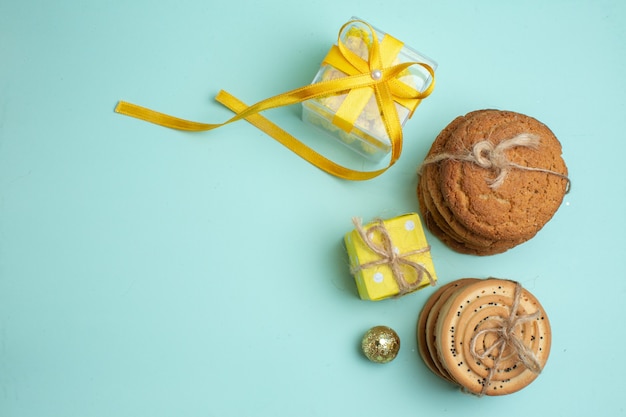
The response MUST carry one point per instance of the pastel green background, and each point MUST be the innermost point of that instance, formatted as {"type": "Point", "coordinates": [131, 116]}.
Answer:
{"type": "Point", "coordinates": [150, 272]}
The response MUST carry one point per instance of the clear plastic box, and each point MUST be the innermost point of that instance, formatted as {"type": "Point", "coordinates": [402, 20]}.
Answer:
{"type": "Point", "coordinates": [368, 136]}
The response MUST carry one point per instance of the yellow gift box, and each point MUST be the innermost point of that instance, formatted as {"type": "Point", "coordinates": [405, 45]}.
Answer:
{"type": "Point", "coordinates": [390, 257]}
{"type": "Point", "coordinates": [378, 76]}
{"type": "Point", "coordinates": [354, 117]}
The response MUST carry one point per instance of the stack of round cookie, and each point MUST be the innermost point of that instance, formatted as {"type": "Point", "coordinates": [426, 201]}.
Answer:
{"type": "Point", "coordinates": [489, 336]}
{"type": "Point", "coordinates": [491, 180]}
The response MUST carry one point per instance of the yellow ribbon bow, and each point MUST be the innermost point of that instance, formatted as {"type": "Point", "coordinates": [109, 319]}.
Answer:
{"type": "Point", "coordinates": [371, 74]}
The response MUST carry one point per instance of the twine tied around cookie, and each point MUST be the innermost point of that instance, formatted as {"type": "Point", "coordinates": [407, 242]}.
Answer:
{"type": "Point", "coordinates": [493, 157]}
{"type": "Point", "coordinates": [506, 338]}
{"type": "Point", "coordinates": [389, 256]}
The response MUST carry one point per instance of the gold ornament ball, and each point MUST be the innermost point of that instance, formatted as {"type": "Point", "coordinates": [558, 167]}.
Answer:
{"type": "Point", "coordinates": [380, 344]}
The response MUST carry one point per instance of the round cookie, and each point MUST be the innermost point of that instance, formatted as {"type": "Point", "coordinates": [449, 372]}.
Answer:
{"type": "Point", "coordinates": [421, 330]}
{"type": "Point", "coordinates": [434, 208]}
{"type": "Point", "coordinates": [436, 224]}
{"type": "Point", "coordinates": [423, 321]}
{"type": "Point", "coordinates": [430, 335]}
{"type": "Point", "coordinates": [470, 325]}
{"type": "Point", "coordinates": [444, 232]}
{"type": "Point", "coordinates": [526, 200]}
{"type": "Point", "coordinates": [431, 180]}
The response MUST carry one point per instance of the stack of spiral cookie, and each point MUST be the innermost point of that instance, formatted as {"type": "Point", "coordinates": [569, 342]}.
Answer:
{"type": "Point", "coordinates": [490, 336]}
{"type": "Point", "coordinates": [491, 180]}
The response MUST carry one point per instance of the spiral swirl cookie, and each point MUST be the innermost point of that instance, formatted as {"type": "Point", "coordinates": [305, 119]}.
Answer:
{"type": "Point", "coordinates": [491, 336]}
{"type": "Point", "coordinates": [491, 180]}
{"type": "Point", "coordinates": [426, 336]}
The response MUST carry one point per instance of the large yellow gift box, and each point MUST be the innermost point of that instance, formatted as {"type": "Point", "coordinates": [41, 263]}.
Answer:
{"type": "Point", "coordinates": [367, 86]}
{"type": "Point", "coordinates": [390, 257]}
{"type": "Point", "coordinates": [354, 117]}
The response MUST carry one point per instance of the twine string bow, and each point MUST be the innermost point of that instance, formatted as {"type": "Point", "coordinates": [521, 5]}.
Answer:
{"type": "Point", "coordinates": [390, 257]}
{"type": "Point", "coordinates": [506, 338]}
{"type": "Point", "coordinates": [493, 157]}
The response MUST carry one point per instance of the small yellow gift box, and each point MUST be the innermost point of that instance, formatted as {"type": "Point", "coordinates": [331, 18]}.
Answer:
{"type": "Point", "coordinates": [390, 257]}
{"type": "Point", "coordinates": [354, 117]}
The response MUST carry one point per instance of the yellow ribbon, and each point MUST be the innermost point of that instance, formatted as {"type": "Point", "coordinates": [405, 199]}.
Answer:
{"type": "Point", "coordinates": [346, 61]}
{"type": "Point", "coordinates": [379, 78]}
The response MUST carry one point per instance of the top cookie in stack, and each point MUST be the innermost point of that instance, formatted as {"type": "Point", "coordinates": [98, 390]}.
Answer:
{"type": "Point", "coordinates": [491, 180]}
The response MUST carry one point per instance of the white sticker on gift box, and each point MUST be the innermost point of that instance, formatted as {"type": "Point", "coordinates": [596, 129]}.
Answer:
{"type": "Point", "coordinates": [378, 277]}
{"type": "Point", "coordinates": [409, 225]}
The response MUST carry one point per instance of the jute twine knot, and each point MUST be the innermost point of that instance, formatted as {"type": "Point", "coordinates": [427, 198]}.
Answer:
{"type": "Point", "coordinates": [389, 256]}
{"type": "Point", "coordinates": [493, 157]}
{"type": "Point", "coordinates": [506, 338]}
